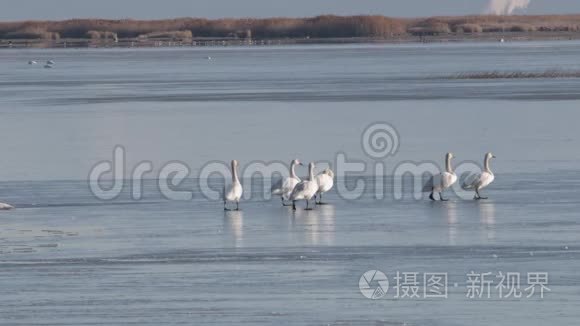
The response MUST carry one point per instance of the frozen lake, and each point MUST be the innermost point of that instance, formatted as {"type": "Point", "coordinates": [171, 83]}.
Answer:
{"type": "Point", "coordinates": [68, 258]}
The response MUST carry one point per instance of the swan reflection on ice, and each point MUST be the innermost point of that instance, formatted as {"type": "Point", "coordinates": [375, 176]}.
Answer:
{"type": "Point", "coordinates": [450, 210]}
{"type": "Point", "coordinates": [487, 219]}
{"type": "Point", "coordinates": [317, 226]}
{"type": "Point", "coordinates": [234, 226]}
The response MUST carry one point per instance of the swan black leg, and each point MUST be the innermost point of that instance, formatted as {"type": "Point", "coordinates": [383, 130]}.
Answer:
{"type": "Point", "coordinates": [283, 203]}
{"type": "Point", "coordinates": [431, 196]}
{"type": "Point", "coordinates": [320, 200]}
{"type": "Point", "coordinates": [478, 196]}
{"type": "Point", "coordinates": [294, 205]}
{"type": "Point", "coordinates": [308, 208]}
{"type": "Point", "coordinates": [237, 206]}
{"type": "Point", "coordinates": [441, 197]}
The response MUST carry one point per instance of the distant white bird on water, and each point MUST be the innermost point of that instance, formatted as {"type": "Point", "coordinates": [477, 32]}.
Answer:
{"type": "Point", "coordinates": [233, 192]}
{"type": "Point", "coordinates": [306, 189]}
{"type": "Point", "coordinates": [438, 183]}
{"type": "Point", "coordinates": [5, 207]}
{"type": "Point", "coordinates": [47, 66]}
{"type": "Point", "coordinates": [32, 62]}
{"type": "Point", "coordinates": [49, 62]}
{"type": "Point", "coordinates": [482, 180]}
{"type": "Point", "coordinates": [325, 181]}
{"type": "Point", "coordinates": [285, 186]}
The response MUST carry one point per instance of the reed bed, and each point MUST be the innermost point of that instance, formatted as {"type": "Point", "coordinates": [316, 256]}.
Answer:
{"type": "Point", "coordinates": [326, 26]}
{"type": "Point", "coordinates": [516, 74]}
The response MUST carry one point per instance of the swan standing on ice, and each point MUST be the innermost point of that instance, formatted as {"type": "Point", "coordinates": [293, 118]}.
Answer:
{"type": "Point", "coordinates": [233, 193]}
{"type": "Point", "coordinates": [482, 180]}
{"type": "Point", "coordinates": [438, 183]}
{"type": "Point", "coordinates": [5, 207]}
{"type": "Point", "coordinates": [285, 186]}
{"type": "Point", "coordinates": [306, 189]}
{"type": "Point", "coordinates": [325, 181]}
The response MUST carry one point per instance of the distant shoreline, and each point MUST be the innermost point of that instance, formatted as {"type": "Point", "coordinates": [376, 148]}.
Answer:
{"type": "Point", "coordinates": [131, 43]}
{"type": "Point", "coordinates": [182, 32]}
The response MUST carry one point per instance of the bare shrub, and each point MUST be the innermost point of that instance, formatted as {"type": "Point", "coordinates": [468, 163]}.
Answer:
{"type": "Point", "coordinates": [102, 35]}
{"type": "Point", "coordinates": [430, 26]}
{"type": "Point", "coordinates": [32, 33]}
{"type": "Point", "coordinates": [522, 28]}
{"type": "Point", "coordinates": [468, 28]}
{"type": "Point", "coordinates": [495, 28]}
{"type": "Point", "coordinates": [173, 35]}
{"type": "Point", "coordinates": [558, 28]}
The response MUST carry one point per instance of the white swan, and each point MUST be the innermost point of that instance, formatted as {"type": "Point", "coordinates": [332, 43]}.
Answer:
{"type": "Point", "coordinates": [306, 189]}
{"type": "Point", "coordinates": [49, 62]}
{"type": "Point", "coordinates": [5, 207]}
{"type": "Point", "coordinates": [285, 186]}
{"type": "Point", "coordinates": [233, 193]}
{"type": "Point", "coordinates": [32, 62]}
{"type": "Point", "coordinates": [438, 183]}
{"type": "Point", "coordinates": [325, 181]}
{"type": "Point", "coordinates": [482, 180]}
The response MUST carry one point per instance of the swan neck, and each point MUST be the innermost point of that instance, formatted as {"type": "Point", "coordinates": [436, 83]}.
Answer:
{"type": "Point", "coordinates": [292, 172]}
{"type": "Point", "coordinates": [486, 165]}
{"type": "Point", "coordinates": [448, 165]}
{"type": "Point", "coordinates": [235, 174]}
{"type": "Point", "coordinates": [311, 173]}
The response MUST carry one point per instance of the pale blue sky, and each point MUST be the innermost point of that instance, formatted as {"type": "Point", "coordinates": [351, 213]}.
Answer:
{"type": "Point", "coordinates": [147, 9]}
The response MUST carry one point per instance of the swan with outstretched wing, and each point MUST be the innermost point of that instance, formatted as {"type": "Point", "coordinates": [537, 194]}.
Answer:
{"type": "Point", "coordinates": [285, 186]}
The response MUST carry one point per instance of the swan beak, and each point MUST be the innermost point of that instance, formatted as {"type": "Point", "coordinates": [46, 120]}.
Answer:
{"type": "Point", "coordinates": [301, 163]}
{"type": "Point", "coordinates": [494, 156]}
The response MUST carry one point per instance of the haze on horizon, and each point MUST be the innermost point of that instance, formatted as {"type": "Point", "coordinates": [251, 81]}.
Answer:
{"type": "Point", "coordinates": [155, 9]}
